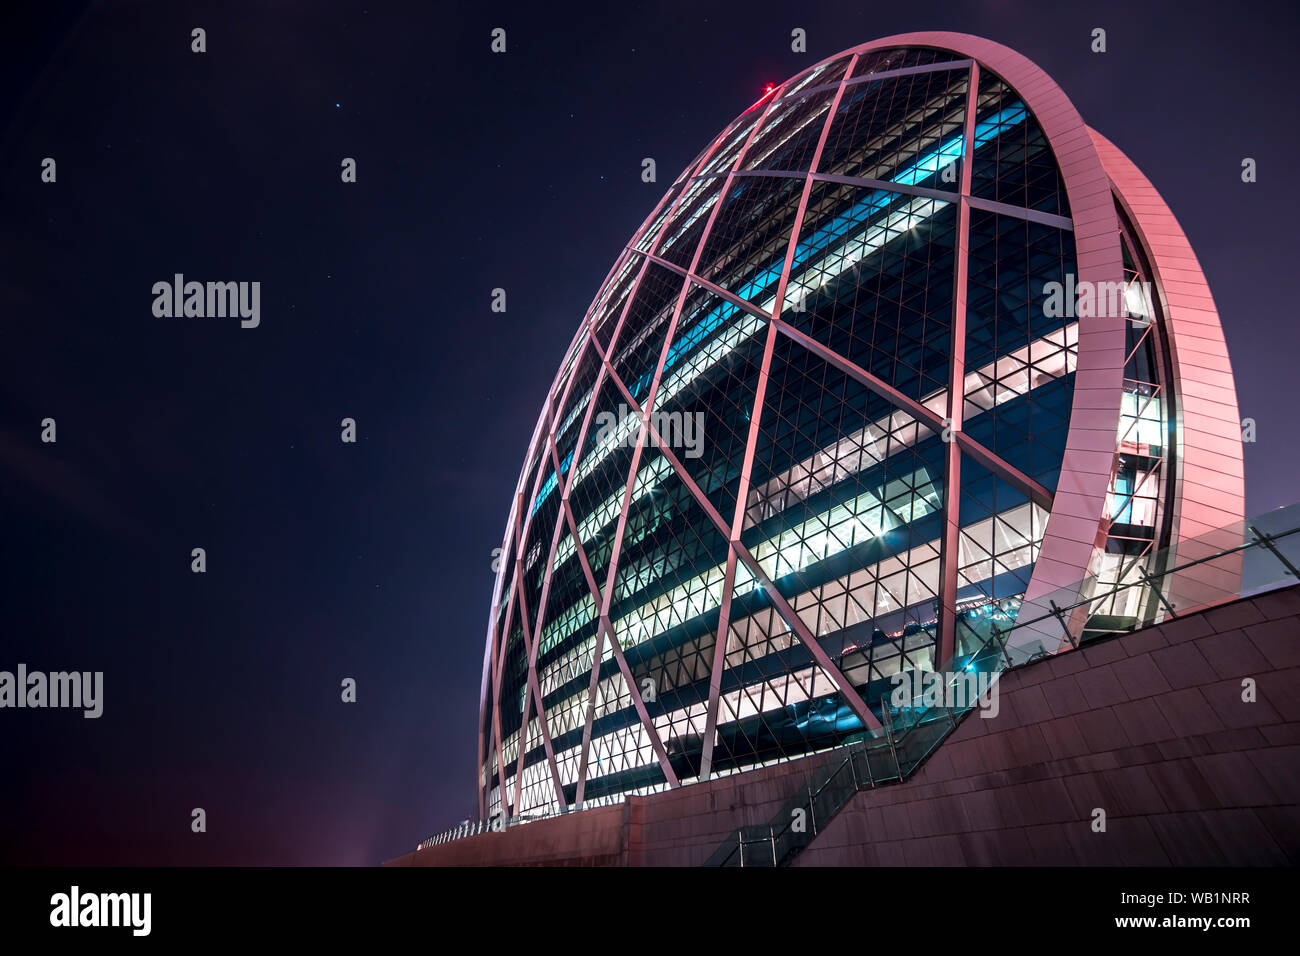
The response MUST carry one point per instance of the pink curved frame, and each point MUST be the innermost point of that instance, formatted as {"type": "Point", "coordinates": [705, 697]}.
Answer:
{"type": "Point", "coordinates": [1211, 476]}
{"type": "Point", "coordinates": [1076, 526]}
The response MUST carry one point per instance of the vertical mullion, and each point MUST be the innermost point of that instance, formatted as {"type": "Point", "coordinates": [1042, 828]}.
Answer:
{"type": "Point", "coordinates": [950, 544]}
{"type": "Point", "coordinates": [718, 663]}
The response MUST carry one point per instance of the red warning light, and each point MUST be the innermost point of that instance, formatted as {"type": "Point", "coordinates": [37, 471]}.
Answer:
{"type": "Point", "coordinates": [768, 90]}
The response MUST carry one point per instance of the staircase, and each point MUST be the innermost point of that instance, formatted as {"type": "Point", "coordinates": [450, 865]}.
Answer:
{"type": "Point", "coordinates": [908, 737]}
{"type": "Point", "coordinates": [863, 765]}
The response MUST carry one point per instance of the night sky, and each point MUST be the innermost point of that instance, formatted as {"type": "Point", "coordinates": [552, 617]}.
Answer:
{"type": "Point", "coordinates": [475, 171]}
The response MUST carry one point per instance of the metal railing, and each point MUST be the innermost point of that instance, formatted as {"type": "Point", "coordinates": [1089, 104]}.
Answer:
{"type": "Point", "coordinates": [1246, 558]}
{"type": "Point", "coordinates": [471, 828]}
{"type": "Point", "coordinates": [1239, 560]}
{"type": "Point", "coordinates": [467, 829]}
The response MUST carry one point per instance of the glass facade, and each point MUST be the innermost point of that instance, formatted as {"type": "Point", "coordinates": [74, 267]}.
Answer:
{"type": "Point", "coordinates": [808, 437]}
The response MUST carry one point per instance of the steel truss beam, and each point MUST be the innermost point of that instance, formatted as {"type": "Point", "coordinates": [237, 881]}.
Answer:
{"type": "Point", "coordinates": [1091, 413]}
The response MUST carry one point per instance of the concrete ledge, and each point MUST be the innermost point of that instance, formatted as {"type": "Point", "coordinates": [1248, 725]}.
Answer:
{"type": "Point", "coordinates": [1150, 728]}
{"type": "Point", "coordinates": [1154, 732]}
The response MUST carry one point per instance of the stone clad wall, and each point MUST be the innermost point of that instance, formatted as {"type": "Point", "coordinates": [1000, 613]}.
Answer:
{"type": "Point", "coordinates": [1149, 727]}
{"type": "Point", "coordinates": [591, 838]}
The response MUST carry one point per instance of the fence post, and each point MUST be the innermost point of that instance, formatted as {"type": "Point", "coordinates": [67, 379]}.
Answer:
{"type": "Point", "coordinates": [1001, 639]}
{"type": "Point", "coordinates": [1150, 581]}
{"type": "Point", "coordinates": [1267, 541]}
{"type": "Point", "coordinates": [1060, 617]}
{"type": "Point", "coordinates": [889, 735]}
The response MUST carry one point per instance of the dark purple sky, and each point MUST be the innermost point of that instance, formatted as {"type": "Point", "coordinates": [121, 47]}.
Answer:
{"type": "Point", "coordinates": [476, 171]}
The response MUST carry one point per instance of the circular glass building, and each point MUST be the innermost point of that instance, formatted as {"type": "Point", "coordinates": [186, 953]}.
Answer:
{"type": "Point", "coordinates": [907, 346]}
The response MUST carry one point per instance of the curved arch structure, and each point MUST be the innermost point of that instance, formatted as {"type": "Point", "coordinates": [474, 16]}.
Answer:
{"type": "Point", "coordinates": [1211, 478]}
{"type": "Point", "coordinates": [906, 346]}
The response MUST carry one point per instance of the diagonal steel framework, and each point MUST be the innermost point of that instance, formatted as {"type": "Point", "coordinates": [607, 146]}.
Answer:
{"type": "Point", "coordinates": [1088, 459]}
{"type": "Point", "coordinates": [937, 423]}
{"type": "Point", "coordinates": [742, 493]}
{"type": "Point", "coordinates": [950, 543]}
{"type": "Point", "coordinates": [737, 553]}
{"type": "Point", "coordinates": [606, 629]}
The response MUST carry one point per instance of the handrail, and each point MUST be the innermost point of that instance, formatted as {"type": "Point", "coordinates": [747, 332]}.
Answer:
{"type": "Point", "coordinates": [1265, 541]}
{"type": "Point", "coordinates": [1006, 658]}
{"type": "Point", "coordinates": [1150, 585]}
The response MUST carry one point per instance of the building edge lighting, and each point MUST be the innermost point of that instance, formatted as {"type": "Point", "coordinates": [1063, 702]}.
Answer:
{"type": "Point", "coordinates": [1199, 473]}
